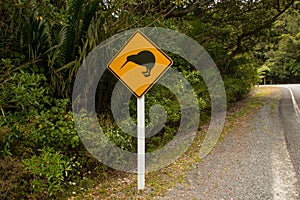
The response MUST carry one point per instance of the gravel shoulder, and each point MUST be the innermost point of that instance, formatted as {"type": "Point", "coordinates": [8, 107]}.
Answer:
{"type": "Point", "coordinates": [252, 162]}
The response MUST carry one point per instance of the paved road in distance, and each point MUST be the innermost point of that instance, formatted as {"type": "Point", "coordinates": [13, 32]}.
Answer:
{"type": "Point", "coordinates": [291, 121]}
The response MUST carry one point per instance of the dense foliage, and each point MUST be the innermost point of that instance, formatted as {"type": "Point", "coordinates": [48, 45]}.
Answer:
{"type": "Point", "coordinates": [283, 61]}
{"type": "Point", "coordinates": [43, 43]}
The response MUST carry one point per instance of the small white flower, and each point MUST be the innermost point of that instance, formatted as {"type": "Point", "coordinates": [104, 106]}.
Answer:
{"type": "Point", "coordinates": [73, 192]}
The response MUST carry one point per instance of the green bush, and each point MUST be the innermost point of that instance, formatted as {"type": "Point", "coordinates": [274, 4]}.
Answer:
{"type": "Point", "coordinates": [34, 120]}
{"type": "Point", "coordinates": [22, 98]}
{"type": "Point", "coordinates": [48, 171]}
{"type": "Point", "coordinates": [121, 139]}
{"type": "Point", "coordinates": [34, 128]}
{"type": "Point", "coordinates": [23, 92]}
{"type": "Point", "coordinates": [243, 75]}
{"type": "Point", "coordinates": [55, 128]}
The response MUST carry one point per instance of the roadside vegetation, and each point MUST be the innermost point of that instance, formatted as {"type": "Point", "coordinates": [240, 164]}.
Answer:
{"type": "Point", "coordinates": [283, 61]}
{"type": "Point", "coordinates": [123, 185]}
{"type": "Point", "coordinates": [44, 42]}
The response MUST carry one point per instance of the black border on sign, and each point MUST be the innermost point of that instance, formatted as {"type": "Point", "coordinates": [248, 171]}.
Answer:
{"type": "Point", "coordinates": [158, 77]}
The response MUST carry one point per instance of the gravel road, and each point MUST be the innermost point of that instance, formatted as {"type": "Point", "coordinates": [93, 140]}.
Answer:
{"type": "Point", "coordinates": [252, 162]}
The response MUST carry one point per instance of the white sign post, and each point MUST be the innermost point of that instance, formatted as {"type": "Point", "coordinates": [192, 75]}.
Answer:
{"type": "Point", "coordinates": [141, 141]}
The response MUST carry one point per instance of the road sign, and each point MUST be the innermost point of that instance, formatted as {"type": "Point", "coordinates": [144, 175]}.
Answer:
{"type": "Point", "coordinates": [139, 64]}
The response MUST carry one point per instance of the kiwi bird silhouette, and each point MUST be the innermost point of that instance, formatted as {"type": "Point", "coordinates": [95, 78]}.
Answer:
{"type": "Point", "coordinates": [143, 58]}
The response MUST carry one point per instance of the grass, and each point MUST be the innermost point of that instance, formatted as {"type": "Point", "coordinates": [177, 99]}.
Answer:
{"type": "Point", "coordinates": [123, 185]}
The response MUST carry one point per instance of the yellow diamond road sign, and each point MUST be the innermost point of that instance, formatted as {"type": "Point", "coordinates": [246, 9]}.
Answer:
{"type": "Point", "coordinates": [139, 64]}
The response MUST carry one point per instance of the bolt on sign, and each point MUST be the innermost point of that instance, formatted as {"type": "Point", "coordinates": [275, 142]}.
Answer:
{"type": "Point", "coordinates": [139, 64]}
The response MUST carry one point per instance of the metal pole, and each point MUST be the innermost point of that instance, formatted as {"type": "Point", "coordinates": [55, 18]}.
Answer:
{"type": "Point", "coordinates": [141, 141]}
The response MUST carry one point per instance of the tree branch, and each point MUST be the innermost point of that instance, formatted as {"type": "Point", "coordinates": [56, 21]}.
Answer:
{"type": "Point", "coordinates": [260, 28]}
{"type": "Point", "coordinates": [192, 7]}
